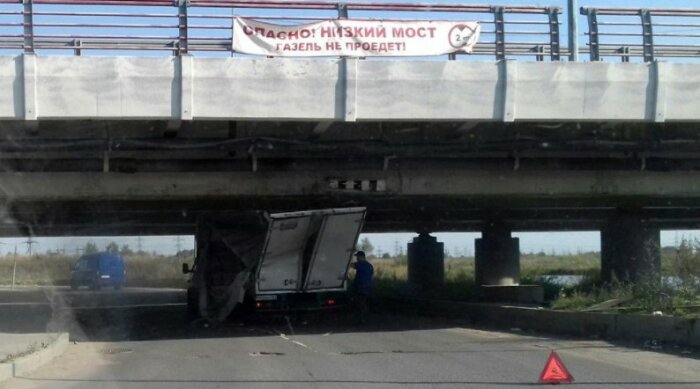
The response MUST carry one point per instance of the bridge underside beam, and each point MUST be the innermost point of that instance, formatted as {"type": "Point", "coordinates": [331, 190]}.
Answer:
{"type": "Point", "coordinates": [452, 200]}
{"type": "Point", "coordinates": [593, 187]}
{"type": "Point", "coordinates": [389, 214]}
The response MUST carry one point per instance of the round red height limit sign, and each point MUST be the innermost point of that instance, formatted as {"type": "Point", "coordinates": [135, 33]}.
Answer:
{"type": "Point", "coordinates": [460, 35]}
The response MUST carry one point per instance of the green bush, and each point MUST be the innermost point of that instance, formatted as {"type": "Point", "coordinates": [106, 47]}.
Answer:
{"type": "Point", "coordinates": [574, 300]}
{"type": "Point", "coordinates": [685, 264]}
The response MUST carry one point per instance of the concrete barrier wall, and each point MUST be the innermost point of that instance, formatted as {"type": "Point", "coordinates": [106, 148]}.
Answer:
{"type": "Point", "coordinates": [676, 330]}
{"type": "Point", "coordinates": [189, 88]}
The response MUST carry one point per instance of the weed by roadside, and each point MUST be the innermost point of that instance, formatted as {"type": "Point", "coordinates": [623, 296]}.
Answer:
{"type": "Point", "coordinates": [679, 296]}
{"type": "Point", "coordinates": [678, 300]}
{"type": "Point", "coordinates": [32, 348]}
{"type": "Point", "coordinates": [391, 275]}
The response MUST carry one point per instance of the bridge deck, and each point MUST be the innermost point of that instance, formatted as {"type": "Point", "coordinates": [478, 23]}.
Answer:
{"type": "Point", "coordinates": [148, 141]}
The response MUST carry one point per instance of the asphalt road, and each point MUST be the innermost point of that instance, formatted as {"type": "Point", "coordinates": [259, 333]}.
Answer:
{"type": "Point", "coordinates": [85, 298]}
{"type": "Point", "coordinates": [158, 348]}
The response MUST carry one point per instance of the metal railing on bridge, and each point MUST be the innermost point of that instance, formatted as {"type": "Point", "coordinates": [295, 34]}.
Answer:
{"type": "Point", "coordinates": [643, 33]}
{"type": "Point", "coordinates": [183, 26]}
{"type": "Point", "coordinates": [191, 26]}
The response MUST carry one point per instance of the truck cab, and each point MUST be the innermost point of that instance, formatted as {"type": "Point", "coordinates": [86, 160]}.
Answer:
{"type": "Point", "coordinates": [272, 262]}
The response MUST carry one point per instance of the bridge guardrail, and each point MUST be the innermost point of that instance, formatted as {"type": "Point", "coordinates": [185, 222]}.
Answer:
{"type": "Point", "coordinates": [183, 26]}
{"type": "Point", "coordinates": [201, 26]}
{"type": "Point", "coordinates": [643, 33]}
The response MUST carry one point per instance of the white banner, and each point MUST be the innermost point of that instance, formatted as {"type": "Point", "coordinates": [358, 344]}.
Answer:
{"type": "Point", "coordinates": [354, 38]}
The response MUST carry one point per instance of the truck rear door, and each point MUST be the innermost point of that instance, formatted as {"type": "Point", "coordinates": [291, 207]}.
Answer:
{"type": "Point", "coordinates": [335, 246]}
{"type": "Point", "coordinates": [280, 266]}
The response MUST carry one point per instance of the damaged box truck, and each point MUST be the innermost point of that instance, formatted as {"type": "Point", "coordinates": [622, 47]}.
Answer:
{"type": "Point", "coordinates": [272, 262]}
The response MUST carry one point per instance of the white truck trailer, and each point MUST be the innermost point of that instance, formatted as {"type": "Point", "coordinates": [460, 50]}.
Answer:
{"type": "Point", "coordinates": [272, 262]}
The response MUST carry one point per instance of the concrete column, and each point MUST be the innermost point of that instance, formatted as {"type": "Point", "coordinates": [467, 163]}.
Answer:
{"type": "Point", "coordinates": [630, 250]}
{"type": "Point", "coordinates": [497, 259]}
{"type": "Point", "coordinates": [426, 262]}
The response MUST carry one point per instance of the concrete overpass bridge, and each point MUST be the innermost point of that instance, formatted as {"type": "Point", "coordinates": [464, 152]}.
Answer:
{"type": "Point", "coordinates": [137, 116]}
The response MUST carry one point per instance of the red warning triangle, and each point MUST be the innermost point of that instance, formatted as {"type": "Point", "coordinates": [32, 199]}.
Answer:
{"type": "Point", "coordinates": [555, 372]}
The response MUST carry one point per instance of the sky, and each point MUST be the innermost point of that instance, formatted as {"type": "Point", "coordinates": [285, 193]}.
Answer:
{"type": "Point", "coordinates": [460, 243]}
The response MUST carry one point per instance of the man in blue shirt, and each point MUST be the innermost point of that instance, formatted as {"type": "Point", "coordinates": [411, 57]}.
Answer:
{"type": "Point", "coordinates": [362, 285]}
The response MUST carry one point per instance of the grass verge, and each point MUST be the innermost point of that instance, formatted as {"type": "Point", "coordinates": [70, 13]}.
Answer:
{"type": "Point", "coordinates": [679, 298]}
{"type": "Point", "coordinates": [141, 270]}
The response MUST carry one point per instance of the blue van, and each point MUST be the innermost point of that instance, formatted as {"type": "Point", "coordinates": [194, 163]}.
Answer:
{"type": "Point", "coordinates": [98, 270]}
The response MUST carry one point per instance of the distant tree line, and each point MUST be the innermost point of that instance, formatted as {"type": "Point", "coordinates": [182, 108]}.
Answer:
{"type": "Point", "coordinates": [112, 247]}
{"type": "Point", "coordinates": [124, 250]}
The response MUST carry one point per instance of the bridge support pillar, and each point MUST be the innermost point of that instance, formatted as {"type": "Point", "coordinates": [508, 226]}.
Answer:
{"type": "Point", "coordinates": [630, 250]}
{"type": "Point", "coordinates": [497, 259]}
{"type": "Point", "coordinates": [426, 262]}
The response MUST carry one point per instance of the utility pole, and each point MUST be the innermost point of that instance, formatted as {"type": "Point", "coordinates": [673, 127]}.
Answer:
{"type": "Point", "coordinates": [396, 248]}
{"type": "Point", "coordinates": [30, 243]}
{"type": "Point", "coordinates": [178, 244]}
{"type": "Point", "coordinates": [139, 245]}
{"type": "Point", "coordinates": [14, 268]}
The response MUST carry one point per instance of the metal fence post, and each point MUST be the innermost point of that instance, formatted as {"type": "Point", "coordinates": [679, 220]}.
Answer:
{"type": "Point", "coordinates": [499, 23]}
{"type": "Point", "coordinates": [554, 41]}
{"type": "Point", "coordinates": [342, 11]}
{"type": "Point", "coordinates": [593, 40]}
{"type": "Point", "coordinates": [77, 44]}
{"type": "Point", "coordinates": [647, 35]}
{"type": "Point", "coordinates": [540, 50]}
{"type": "Point", "coordinates": [625, 53]}
{"type": "Point", "coordinates": [182, 6]}
{"type": "Point", "coordinates": [28, 13]}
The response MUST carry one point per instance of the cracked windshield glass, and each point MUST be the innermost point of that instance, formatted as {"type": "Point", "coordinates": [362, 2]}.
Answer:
{"type": "Point", "coordinates": [349, 194]}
